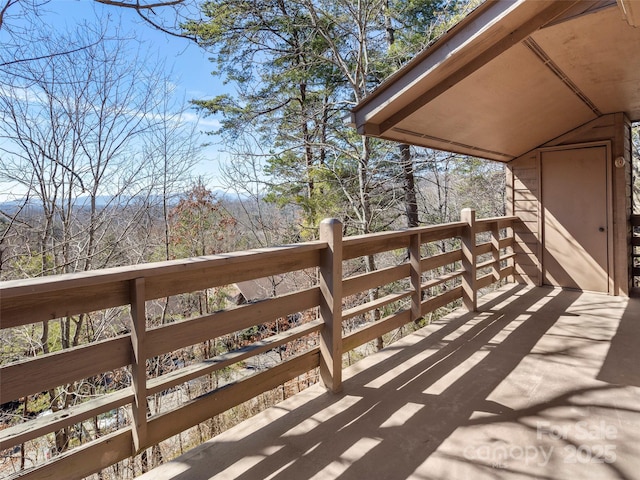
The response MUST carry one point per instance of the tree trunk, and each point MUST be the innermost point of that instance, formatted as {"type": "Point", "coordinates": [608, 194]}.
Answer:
{"type": "Point", "coordinates": [410, 202]}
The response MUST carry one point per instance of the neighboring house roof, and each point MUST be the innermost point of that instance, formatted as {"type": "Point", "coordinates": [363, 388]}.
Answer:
{"type": "Point", "coordinates": [276, 285]}
{"type": "Point", "coordinates": [512, 76]}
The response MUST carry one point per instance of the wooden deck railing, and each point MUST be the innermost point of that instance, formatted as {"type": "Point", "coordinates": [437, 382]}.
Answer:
{"type": "Point", "coordinates": [26, 302]}
{"type": "Point", "coordinates": [635, 250]}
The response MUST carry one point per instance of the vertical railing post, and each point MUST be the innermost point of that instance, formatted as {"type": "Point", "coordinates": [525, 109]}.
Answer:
{"type": "Point", "coordinates": [495, 251]}
{"type": "Point", "coordinates": [469, 292]}
{"type": "Point", "coordinates": [331, 304]}
{"type": "Point", "coordinates": [139, 363]}
{"type": "Point", "coordinates": [416, 276]}
{"type": "Point", "coordinates": [511, 234]}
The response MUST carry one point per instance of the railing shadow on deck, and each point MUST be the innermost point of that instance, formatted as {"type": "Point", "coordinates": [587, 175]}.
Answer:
{"type": "Point", "coordinates": [622, 363]}
{"type": "Point", "coordinates": [394, 416]}
{"type": "Point", "coordinates": [635, 254]}
{"type": "Point", "coordinates": [45, 299]}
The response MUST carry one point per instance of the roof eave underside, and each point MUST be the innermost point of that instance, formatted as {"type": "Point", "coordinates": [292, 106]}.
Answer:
{"type": "Point", "coordinates": [500, 34]}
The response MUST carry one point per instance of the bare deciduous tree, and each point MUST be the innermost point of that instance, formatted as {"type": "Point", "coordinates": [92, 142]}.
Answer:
{"type": "Point", "coordinates": [80, 138]}
{"type": "Point", "coordinates": [155, 12]}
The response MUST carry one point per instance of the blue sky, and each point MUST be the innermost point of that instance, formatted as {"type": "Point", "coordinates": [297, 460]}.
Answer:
{"type": "Point", "coordinates": [188, 63]}
{"type": "Point", "coordinates": [182, 54]}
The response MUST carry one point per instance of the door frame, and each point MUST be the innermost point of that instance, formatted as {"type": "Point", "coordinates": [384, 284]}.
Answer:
{"type": "Point", "coordinates": [609, 207]}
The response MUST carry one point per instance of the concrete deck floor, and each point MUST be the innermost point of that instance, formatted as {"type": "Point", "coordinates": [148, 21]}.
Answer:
{"type": "Point", "coordinates": [541, 383]}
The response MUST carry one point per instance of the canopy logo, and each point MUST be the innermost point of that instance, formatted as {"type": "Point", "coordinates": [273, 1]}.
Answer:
{"type": "Point", "coordinates": [581, 442]}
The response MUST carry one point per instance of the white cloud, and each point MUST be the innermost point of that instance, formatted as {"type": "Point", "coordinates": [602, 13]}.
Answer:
{"type": "Point", "coordinates": [205, 123]}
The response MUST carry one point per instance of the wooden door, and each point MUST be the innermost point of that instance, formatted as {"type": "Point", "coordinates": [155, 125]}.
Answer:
{"type": "Point", "coordinates": [575, 221]}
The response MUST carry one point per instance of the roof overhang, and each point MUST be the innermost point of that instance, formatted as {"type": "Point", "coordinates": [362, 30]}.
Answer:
{"type": "Point", "coordinates": [631, 11]}
{"type": "Point", "coordinates": [511, 76]}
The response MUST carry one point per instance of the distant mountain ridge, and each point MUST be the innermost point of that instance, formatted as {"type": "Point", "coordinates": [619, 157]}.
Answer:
{"type": "Point", "coordinates": [10, 207]}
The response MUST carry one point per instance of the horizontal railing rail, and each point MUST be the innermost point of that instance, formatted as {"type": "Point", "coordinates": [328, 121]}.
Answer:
{"type": "Point", "coordinates": [422, 270]}
{"type": "Point", "coordinates": [439, 265]}
{"type": "Point", "coordinates": [71, 294]}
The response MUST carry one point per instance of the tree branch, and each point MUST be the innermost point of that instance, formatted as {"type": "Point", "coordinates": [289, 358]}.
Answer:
{"type": "Point", "coordinates": [51, 55]}
{"type": "Point", "coordinates": [7, 4]}
{"type": "Point", "coordinates": [157, 25]}
{"type": "Point", "coordinates": [142, 7]}
{"type": "Point", "coordinates": [136, 5]}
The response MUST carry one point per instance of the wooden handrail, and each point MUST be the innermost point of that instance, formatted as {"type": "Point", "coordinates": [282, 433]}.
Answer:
{"type": "Point", "coordinates": [485, 224]}
{"type": "Point", "coordinates": [39, 299]}
{"type": "Point", "coordinates": [361, 245]}
{"type": "Point", "coordinates": [42, 299]}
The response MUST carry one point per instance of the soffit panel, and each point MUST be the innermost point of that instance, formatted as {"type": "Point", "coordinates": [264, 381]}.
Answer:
{"type": "Point", "coordinates": [496, 21]}
{"type": "Point", "coordinates": [631, 11]}
{"type": "Point", "coordinates": [400, 135]}
{"type": "Point", "coordinates": [508, 106]}
{"type": "Point", "coordinates": [600, 53]}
